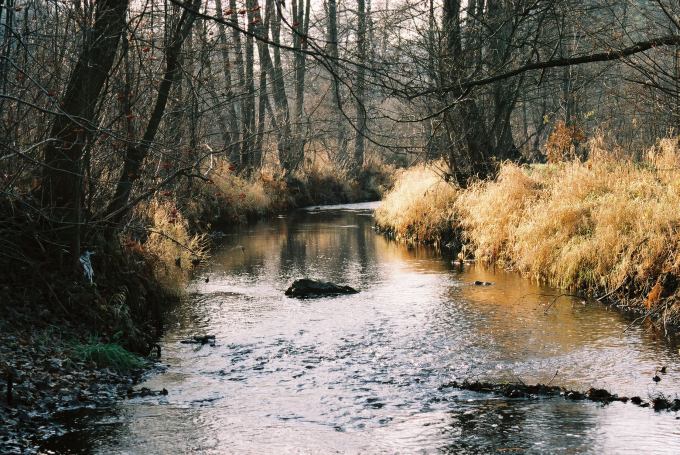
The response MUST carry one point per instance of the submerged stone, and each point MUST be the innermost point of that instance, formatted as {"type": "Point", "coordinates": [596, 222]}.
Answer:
{"type": "Point", "coordinates": [307, 288]}
{"type": "Point", "coordinates": [200, 339]}
{"type": "Point", "coordinates": [603, 396]}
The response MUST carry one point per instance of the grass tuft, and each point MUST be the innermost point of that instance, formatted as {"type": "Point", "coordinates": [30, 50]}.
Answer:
{"type": "Point", "coordinates": [420, 207]}
{"type": "Point", "coordinates": [108, 355]}
{"type": "Point", "coordinates": [170, 246]}
{"type": "Point", "coordinates": [594, 225]}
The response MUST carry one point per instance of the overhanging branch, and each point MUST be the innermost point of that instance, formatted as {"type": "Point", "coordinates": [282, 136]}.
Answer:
{"type": "Point", "coordinates": [608, 56]}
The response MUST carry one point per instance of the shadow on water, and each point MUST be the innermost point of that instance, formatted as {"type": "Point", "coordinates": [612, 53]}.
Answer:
{"type": "Point", "coordinates": [361, 373]}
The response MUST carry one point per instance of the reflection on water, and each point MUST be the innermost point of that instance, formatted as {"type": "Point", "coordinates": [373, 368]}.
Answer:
{"type": "Point", "coordinates": [361, 373]}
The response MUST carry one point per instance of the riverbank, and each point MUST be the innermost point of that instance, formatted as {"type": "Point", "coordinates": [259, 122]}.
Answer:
{"type": "Point", "coordinates": [226, 198]}
{"type": "Point", "coordinates": [606, 227]}
{"type": "Point", "coordinates": [68, 343]}
{"type": "Point", "coordinates": [51, 370]}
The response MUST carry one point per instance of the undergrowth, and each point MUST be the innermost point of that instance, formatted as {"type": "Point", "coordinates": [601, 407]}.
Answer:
{"type": "Point", "coordinates": [170, 247]}
{"type": "Point", "coordinates": [229, 198]}
{"type": "Point", "coordinates": [226, 197]}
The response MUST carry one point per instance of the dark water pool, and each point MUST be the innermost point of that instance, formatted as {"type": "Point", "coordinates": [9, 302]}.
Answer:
{"type": "Point", "coordinates": [361, 373]}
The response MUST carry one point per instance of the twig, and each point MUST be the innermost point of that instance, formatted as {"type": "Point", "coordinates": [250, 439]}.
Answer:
{"type": "Point", "coordinates": [601, 298]}
{"type": "Point", "coordinates": [553, 378]}
{"type": "Point", "coordinates": [556, 298]}
{"type": "Point", "coordinates": [163, 234]}
{"type": "Point", "coordinates": [644, 316]}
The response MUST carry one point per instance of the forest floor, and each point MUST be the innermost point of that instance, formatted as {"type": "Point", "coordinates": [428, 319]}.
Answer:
{"type": "Point", "coordinates": [66, 344]}
{"type": "Point", "coordinates": [48, 376]}
{"type": "Point", "coordinates": [606, 227]}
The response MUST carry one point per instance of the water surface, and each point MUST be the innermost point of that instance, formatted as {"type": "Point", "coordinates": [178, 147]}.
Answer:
{"type": "Point", "coordinates": [362, 373]}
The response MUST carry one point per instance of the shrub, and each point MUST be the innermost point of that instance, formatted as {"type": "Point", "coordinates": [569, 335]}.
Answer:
{"type": "Point", "coordinates": [229, 197]}
{"type": "Point", "coordinates": [562, 142]}
{"type": "Point", "coordinates": [172, 249]}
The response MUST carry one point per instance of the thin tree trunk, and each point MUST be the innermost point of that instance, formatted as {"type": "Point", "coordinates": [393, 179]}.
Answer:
{"type": "Point", "coordinates": [248, 130]}
{"type": "Point", "coordinates": [240, 73]}
{"type": "Point", "coordinates": [300, 31]}
{"type": "Point", "coordinates": [275, 74]}
{"type": "Point", "coordinates": [361, 87]}
{"type": "Point", "coordinates": [289, 162]}
{"type": "Point", "coordinates": [261, 119]}
{"type": "Point", "coordinates": [263, 100]}
{"type": "Point", "coordinates": [229, 125]}
{"type": "Point", "coordinates": [339, 121]}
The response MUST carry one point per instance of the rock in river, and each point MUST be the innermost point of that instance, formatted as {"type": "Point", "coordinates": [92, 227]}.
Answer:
{"type": "Point", "coordinates": [306, 288]}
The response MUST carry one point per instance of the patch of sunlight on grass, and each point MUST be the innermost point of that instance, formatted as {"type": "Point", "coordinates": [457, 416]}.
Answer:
{"type": "Point", "coordinates": [420, 207]}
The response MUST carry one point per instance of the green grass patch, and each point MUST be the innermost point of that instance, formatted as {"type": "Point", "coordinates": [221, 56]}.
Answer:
{"type": "Point", "coordinates": [108, 355]}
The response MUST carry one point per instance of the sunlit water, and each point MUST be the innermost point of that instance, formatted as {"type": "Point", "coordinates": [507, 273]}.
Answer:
{"type": "Point", "coordinates": [362, 373]}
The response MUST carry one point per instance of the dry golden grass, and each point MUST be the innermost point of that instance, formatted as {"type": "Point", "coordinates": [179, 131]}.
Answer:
{"type": "Point", "coordinates": [230, 197]}
{"type": "Point", "coordinates": [601, 225]}
{"type": "Point", "coordinates": [171, 247]}
{"type": "Point", "coordinates": [606, 225]}
{"type": "Point", "coordinates": [420, 207]}
{"type": "Point", "coordinates": [323, 181]}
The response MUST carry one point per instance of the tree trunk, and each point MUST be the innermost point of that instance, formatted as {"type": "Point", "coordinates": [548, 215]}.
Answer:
{"type": "Point", "coordinates": [290, 162]}
{"type": "Point", "coordinates": [504, 93]}
{"type": "Point", "coordinates": [275, 74]}
{"type": "Point", "coordinates": [300, 31]}
{"type": "Point", "coordinates": [263, 100]}
{"type": "Point", "coordinates": [485, 131]}
{"type": "Point", "coordinates": [261, 119]}
{"type": "Point", "coordinates": [136, 153]}
{"type": "Point", "coordinates": [62, 180]}
{"type": "Point", "coordinates": [234, 156]}
{"type": "Point", "coordinates": [332, 50]}
{"type": "Point", "coordinates": [360, 88]}
{"type": "Point", "coordinates": [231, 135]}
{"type": "Point", "coordinates": [248, 131]}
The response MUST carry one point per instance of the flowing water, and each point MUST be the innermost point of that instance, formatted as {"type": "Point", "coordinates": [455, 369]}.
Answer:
{"type": "Point", "coordinates": [362, 373]}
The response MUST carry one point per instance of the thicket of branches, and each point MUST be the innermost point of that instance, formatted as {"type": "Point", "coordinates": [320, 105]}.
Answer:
{"type": "Point", "coordinates": [104, 103]}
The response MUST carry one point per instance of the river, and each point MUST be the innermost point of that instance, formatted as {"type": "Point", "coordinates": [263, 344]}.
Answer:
{"type": "Point", "coordinates": [362, 373]}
